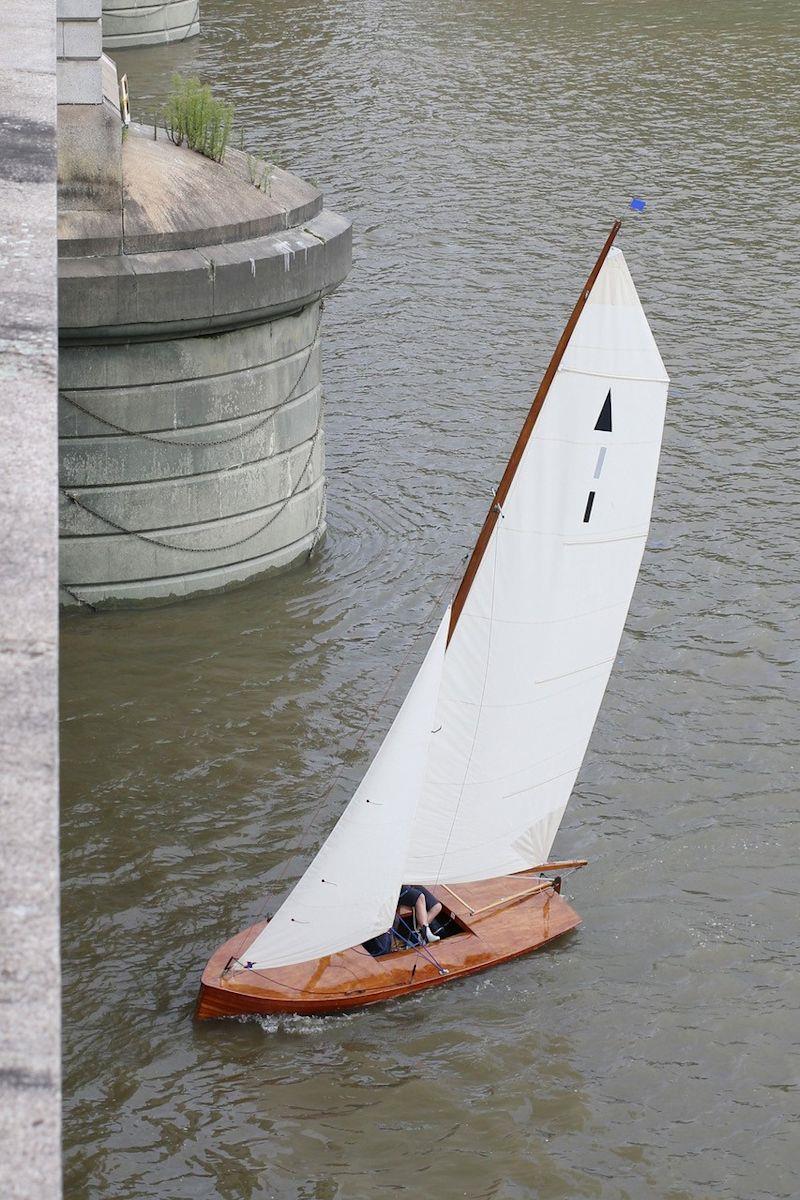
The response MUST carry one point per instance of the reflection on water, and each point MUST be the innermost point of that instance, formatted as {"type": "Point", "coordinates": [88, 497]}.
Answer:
{"type": "Point", "coordinates": [482, 150]}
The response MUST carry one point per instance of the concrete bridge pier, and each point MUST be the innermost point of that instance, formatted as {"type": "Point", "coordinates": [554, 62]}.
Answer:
{"type": "Point", "coordinates": [148, 22]}
{"type": "Point", "coordinates": [190, 400]}
{"type": "Point", "coordinates": [190, 414]}
{"type": "Point", "coordinates": [30, 991]}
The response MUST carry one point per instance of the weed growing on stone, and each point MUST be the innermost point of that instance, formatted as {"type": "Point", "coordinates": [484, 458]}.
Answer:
{"type": "Point", "coordinates": [261, 171]}
{"type": "Point", "coordinates": [192, 115]}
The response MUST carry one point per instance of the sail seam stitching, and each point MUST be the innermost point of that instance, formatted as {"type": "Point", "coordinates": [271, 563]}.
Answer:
{"type": "Point", "coordinates": [565, 441]}
{"type": "Point", "coordinates": [609, 376]}
{"type": "Point", "coordinates": [591, 612]}
{"type": "Point", "coordinates": [536, 699]}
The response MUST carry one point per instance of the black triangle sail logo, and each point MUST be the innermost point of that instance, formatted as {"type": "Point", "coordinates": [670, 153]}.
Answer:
{"type": "Point", "coordinates": [604, 420]}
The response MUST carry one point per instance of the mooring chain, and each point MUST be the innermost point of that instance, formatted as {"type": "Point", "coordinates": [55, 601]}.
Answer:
{"type": "Point", "coordinates": [160, 8]}
{"type": "Point", "coordinates": [196, 443]}
{"type": "Point", "coordinates": [79, 503]}
{"type": "Point", "coordinates": [205, 549]}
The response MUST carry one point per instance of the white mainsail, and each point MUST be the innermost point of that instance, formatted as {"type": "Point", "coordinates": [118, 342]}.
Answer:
{"type": "Point", "coordinates": [532, 650]}
{"type": "Point", "coordinates": [349, 893]}
{"type": "Point", "coordinates": [514, 699]}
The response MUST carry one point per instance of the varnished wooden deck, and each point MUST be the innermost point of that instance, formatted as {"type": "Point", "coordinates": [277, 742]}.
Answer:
{"type": "Point", "coordinates": [501, 919]}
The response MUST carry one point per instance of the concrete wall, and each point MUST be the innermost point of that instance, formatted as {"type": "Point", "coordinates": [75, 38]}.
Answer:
{"type": "Point", "coordinates": [30, 1058]}
{"type": "Point", "coordinates": [89, 125]}
{"type": "Point", "coordinates": [191, 419]}
{"type": "Point", "coordinates": [149, 22]}
{"type": "Point", "coordinates": [78, 47]}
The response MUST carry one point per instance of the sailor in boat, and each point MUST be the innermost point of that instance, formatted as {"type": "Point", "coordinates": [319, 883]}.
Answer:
{"type": "Point", "coordinates": [425, 906]}
{"type": "Point", "coordinates": [417, 909]}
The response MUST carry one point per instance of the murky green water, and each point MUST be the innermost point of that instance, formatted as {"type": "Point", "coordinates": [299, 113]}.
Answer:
{"type": "Point", "coordinates": [483, 150]}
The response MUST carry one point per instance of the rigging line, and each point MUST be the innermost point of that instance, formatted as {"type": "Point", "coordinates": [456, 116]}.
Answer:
{"type": "Point", "coordinates": [282, 984]}
{"type": "Point", "coordinates": [197, 443]}
{"type": "Point", "coordinates": [422, 948]}
{"type": "Point", "coordinates": [301, 991]}
{"type": "Point", "coordinates": [342, 966]}
{"type": "Point", "coordinates": [496, 539]}
{"type": "Point", "coordinates": [411, 931]}
{"type": "Point", "coordinates": [315, 810]}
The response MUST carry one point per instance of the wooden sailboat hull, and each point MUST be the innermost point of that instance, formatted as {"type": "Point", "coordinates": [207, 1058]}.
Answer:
{"type": "Point", "coordinates": [499, 919]}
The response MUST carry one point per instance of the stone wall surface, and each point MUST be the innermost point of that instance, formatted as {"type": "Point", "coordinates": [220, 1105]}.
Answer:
{"type": "Point", "coordinates": [89, 149]}
{"type": "Point", "coordinates": [191, 417]}
{"type": "Point", "coordinates": [78, 50]}
{"type": "Point", "coordinates": [220, 470]}
{"type": "Point", "coordinates": [149, 22]}
{"type": "Point", "coordinates": [30, 1059]}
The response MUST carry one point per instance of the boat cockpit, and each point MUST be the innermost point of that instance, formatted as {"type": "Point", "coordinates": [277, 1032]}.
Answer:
{"type": "Point", "coordinates": [404, 934]}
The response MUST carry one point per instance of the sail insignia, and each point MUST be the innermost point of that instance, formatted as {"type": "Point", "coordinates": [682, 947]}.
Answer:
{"type": "Point", "coordinates": [604, 420]}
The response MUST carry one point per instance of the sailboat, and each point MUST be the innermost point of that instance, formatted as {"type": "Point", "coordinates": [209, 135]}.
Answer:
{"type": "Point", "coordinates": [467, 791]}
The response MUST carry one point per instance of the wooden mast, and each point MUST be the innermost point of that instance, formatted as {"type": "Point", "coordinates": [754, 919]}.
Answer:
{"type": "Point", "coordinates": [524, 436]}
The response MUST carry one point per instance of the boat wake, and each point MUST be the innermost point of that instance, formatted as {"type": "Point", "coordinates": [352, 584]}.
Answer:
{"type": "Point", "coordinates": [297, 1024]}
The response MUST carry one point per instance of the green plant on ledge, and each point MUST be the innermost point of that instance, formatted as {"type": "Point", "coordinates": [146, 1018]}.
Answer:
{"type": "Point", "coordinates": [192, 115]}
{"type": "Point", "coordinates": [261, 171]}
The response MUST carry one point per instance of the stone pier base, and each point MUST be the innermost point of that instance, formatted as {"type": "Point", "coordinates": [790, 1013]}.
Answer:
{"type": "Point", "coordinates": [148, 22]}
{"type": "Point", "coordinates": [218, 475]}
{"type": "Point", "coordinates": [190, 401]}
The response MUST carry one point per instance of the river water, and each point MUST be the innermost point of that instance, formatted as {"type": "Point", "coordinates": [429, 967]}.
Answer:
{"type": "Point", "coordinates": [483, 150]}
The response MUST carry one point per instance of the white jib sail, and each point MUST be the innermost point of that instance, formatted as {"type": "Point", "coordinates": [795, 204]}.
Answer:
{"type": "Point", "coordinates": [530, 657]}
{"type": "Point", "coordinates": [350, 891]}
